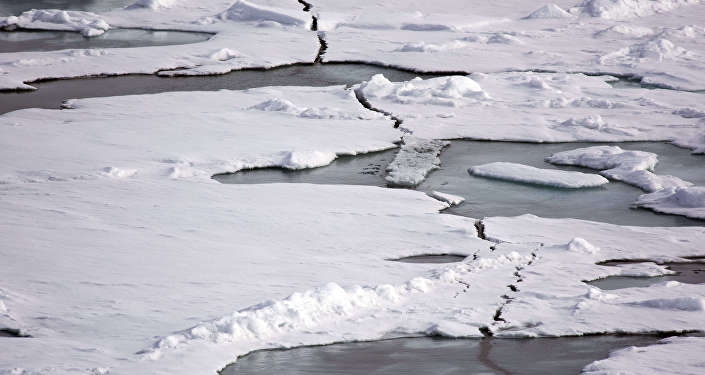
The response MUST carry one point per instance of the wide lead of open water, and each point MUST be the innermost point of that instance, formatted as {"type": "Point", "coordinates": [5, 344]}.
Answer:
{"type": "Point", "coordinates": [22, 41]}
{"type": "Point", "coordinates": [485, 197]}
{"type": "Point", "coordinates": [51, 94]}
{"type": "Point", "coordinates": [417, 356]}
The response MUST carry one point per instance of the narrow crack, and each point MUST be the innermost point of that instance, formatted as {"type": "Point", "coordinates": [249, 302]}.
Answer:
{"type": "Point", "coordinates": [307, 5]}
{"type": "Point", "coordinates": [480, 230]}
{"type": "Point", "coordinates": [365, 103]}
{"type": "Point", "coordinates": [323, 46]}
{"type": "Point", "coordinates": [12, 332]}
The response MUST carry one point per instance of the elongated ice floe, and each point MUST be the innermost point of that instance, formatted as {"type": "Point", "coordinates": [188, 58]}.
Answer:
{"type": "Point", "coordinates": [451, 199]}
{"type": "Point", "coordinates": [415, 160]}
{"type": "Point", "coordinates": [632, 167]}
{"type": "Point", "coordinates": [537, 176]}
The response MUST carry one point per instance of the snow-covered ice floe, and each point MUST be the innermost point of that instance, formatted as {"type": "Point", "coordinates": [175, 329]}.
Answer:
{"type": "Point", "coordinates": [657, 40]}
{"type": "Point", "coordinates": [451, 199]}
{"type": "Point", "coordinates": [538, 107]}
{"type": "Point", "coordinates": [538, 176]}
{"type": "Point", "coordinates": [673, 355]}
{"type": "Point", "coordinates": [666, 194]}
{"type": "Point", "coordinates": [248, 34]}
{"type": "Point", "coordinates": [633, 167]}
{"type": "Point", "coordinates": [415, 160]}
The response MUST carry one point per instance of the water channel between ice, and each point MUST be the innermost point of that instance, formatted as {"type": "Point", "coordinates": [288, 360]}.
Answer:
{"type": "Point", "coordinates": [490, 197]}
{"type": "Point", "coordinates": [416, 356]}
{"type": "Point", "coordinates": [30, 40]}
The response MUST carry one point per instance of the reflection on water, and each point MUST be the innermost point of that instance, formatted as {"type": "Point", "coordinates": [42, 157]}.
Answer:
{"type": "Point", "coordinates": [565, 355]}
{"type": "Point", "coordinates": [489, 197]}
{"type": "Point", "coordinates": [15, 7]}
{"type": "Point", "coordinates": [431, 258]}
{"type": "Point", "coordinates": [21, 41]}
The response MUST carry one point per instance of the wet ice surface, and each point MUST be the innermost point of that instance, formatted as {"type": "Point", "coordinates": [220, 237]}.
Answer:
{"type": "Point", "coordinates": [19, 41]}
{"type": "Point", "coordinates": [487, 197]}
{"type": "Point", "coordinates": [438, 356]}
{"type": "Point", "coordinates": [431, 258]}
{"type": "Point", "coordinates": [51, 94]}
{"type": "Point", "coordinates": [15, 7]}
{"type": "Point", "coordinates": [689, 273]}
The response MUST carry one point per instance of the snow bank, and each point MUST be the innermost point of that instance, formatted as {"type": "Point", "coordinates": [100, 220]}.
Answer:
{"type": "Point", "coordinates": [624, 9]}
{"type": "Point", "coordinates": [549, 11]}
{"type": "Point", "coordinates": [152, 4]}
{"type": "Point", "coordinates": [687, 201]}
{"type": "Point", "coordinates": [632, 167]}
{"type": "Point", "coordinates": [245, 11]}
{"type": "Point", "coordinates": [87, 23]}
{"type": "Point", "coordinates": [673, 355]}
{"type": "Point", "coordinates": [415, 160]}
{"type": "Point", "coordinates": [451, 199]}
{"type": "Point", "coordinates": [531, 175]}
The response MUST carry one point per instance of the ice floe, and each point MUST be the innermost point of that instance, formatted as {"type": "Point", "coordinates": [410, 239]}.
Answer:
{"type": "Point", "coordinates": [452, 200]}
{"type": "Point", "coordinates": [415, 160]}
{"type": "Point", "coordinates": [537, 107]}
{"type": "Point", "coordinates": [633, 167]}
{"type": "Point", "coordinates": [673, 355]}
{"type": "Point", "coordinates": [538, 176]}
{"type": "Point", "coordinates": [687, 201]}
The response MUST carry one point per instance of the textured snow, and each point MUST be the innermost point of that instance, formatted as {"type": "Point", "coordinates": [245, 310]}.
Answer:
{"type": "Point", "coordinates": [264, 34]}
{"type": "Point", "coordinates": [452, 200]}
{"type": "Point", "coordinates": [538, 107]}
{"type": "Point", "coordinates": [673, 355]}
{"type": "Point", "coordinates": [539, 176]}
{"type": "Point", "coordinates": [688, 201]}
{"type": "Point", "coordinates": [565, 36]}
{"type": "Point", "coordinates": [632, 167]}
{"type": "Point", "coordinates": [415, 160]}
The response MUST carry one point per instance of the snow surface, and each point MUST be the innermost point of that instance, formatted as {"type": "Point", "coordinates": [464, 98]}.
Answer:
{"type": "Point", "coordinates": [538, 176]}
{"type": "Point", "coordinates": [265, 34]}
{"type": "Point", "coordinates": [673, 355]}
{"type": "Point", "coordinates": [516, 35]}
{"type": "Point", "coordinates": [688, 201]}
{"type": "Point", "coordinates": [632, 167]}
{"type": "Point", "coordinates": [415, 160]}
{"type": "Point", "coordinates": [538, 107]}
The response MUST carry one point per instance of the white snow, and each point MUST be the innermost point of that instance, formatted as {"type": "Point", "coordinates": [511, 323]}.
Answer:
{"type": "Point", "coordinates": [688, 201]}
{"type": "Point", "coordinates": [549, 10]}
{"type": "Point", "coordinates": [452, 200]}
{"type": "Point", "coordinates": [633, 167]}
{"type": "Point", "coordinates": [415, 160]}
{"type": "Point", "coordinates": [87, 23]}
{"type": "Point", "coordinates": [539, 176]}
{"type": "Point", "coordinates": [538, 107]}
{"type": "Point", "coordinates": [673, 355]}
{"type": "Point", "coordinates": [153, 4]}
{"type": "Point", "coordinates": [624, 9]}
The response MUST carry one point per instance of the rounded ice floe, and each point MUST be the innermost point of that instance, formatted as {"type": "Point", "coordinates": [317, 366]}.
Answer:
{"type": "Point", "coordinates": [688, 201]}
{"type": "Point", "coordinates": [549, 10]}
{"type": "Point", "coordinates": [538, 176]}
{"type": "Point", "coordinates": [306, 159]}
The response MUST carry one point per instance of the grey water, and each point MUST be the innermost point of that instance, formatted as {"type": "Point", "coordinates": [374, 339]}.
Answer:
{"type": "Point", "coordinates": [412, 356]}
{"type": "Point", "coordinates": [431, 258]}
{"type": "Point", "coordinates": [610, 203]}
{"type": "Point", "coordinates": [687, 273]}
{"type": "Point", "coordinates": [26, 40]}
{"type": "Point", "coordinates": [15, 7]}
{"type": "Point", "coordinates": [50, 94]}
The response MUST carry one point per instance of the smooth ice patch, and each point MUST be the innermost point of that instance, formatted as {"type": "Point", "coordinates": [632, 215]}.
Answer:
{"type": "Point", "coordinates": [532, 175]}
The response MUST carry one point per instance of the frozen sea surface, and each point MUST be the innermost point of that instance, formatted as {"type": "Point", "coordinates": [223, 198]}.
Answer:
{"type": "Point", "coordinates": [487, 197]}
{"type": "Point", "coordinates": [417, 356]}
